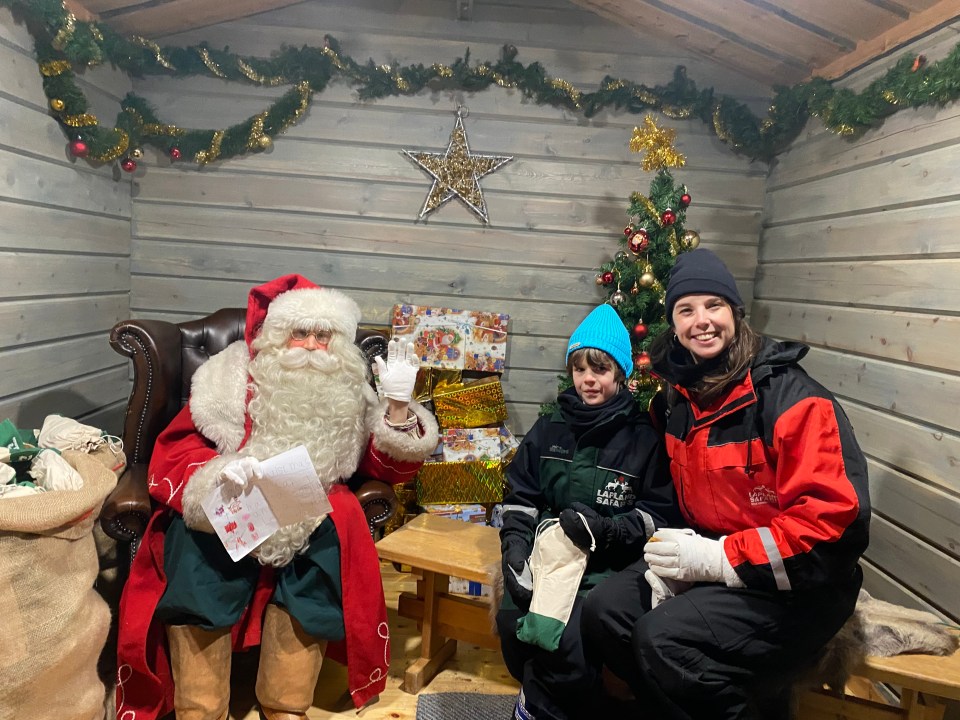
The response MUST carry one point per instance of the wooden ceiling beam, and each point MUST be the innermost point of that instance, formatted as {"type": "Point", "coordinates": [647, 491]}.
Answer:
{"type": "Point", "coordinates": [180, 15]}
{"type": "Point", "coordinates": [80, 11]}
{"type": "Point", "coordinates": [646, 19]}
{"type": "Point", "coordinates": [102, 6]}
{"type": "Point", "coordinates": [868, 50]}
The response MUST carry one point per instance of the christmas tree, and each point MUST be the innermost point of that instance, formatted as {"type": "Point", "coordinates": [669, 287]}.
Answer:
{"type": "Point", "coordinates": [636, 278]}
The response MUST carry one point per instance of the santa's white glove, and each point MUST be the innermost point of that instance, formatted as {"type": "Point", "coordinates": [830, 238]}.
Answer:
{"type": "Point", "coordinates": [398, 374]}
{"type": "Point", "coordinates": [241, 472]}
{"type": "Point", "coordinates": [662, 589]}
{"type": "Point", "coordinates": [681, 554]}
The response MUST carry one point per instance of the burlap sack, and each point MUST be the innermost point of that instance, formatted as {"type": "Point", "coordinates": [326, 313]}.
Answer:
{"type": "Point", "coordinates": [54, 623]}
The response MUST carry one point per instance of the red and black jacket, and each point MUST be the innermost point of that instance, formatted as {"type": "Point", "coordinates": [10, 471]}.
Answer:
{"type": "Point", "coordinates": [774, 466]}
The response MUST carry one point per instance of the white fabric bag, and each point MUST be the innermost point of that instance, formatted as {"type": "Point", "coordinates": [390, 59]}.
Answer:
{"type": "Point", "coordinates": [557, 566]}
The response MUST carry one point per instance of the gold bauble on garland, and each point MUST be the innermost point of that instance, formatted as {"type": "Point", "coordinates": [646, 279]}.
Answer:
{"type": "Point", "coordinates": [57, 105]}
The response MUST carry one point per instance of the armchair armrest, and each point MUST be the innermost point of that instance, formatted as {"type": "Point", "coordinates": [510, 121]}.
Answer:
{"type": "Point", "coordinates": [126, 510]}
{"type": "Point", "coordinates": [154, 347]}
{"type": "Point", "coordinates": [378, 501]}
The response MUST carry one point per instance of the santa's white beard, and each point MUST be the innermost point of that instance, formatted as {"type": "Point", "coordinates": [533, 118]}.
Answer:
{"type": "Point", "coordinates": [319, 403]}
{"type": "Point", "coordinates": [319, 408]}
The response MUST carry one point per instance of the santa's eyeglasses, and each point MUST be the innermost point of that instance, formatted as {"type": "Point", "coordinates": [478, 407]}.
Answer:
{"type": "Point", "coordinates": [318, 335]}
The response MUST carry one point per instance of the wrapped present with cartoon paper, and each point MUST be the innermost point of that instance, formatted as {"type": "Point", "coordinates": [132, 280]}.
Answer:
{"type": "Point", "coordinates": [468, 444]}
{"type": "Point", "coordinates": [470, 404]}
{"type": "Point", "coordinates": [454, 339]}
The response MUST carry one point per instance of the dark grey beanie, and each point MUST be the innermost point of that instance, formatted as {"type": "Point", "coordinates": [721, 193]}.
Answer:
{"type": "Point", "coordinates": [700, 272]}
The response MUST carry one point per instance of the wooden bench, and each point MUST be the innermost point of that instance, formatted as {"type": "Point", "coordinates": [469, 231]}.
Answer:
{"type": "Point", "coordinates": [925, 682]}
{"type": "Point", "coordinates": [439, 548]}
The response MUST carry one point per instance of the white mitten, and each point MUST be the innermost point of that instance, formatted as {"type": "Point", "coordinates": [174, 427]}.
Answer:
{"type": "Point", "coordinates": [398, 374]}
{"type": "Point", "coordinates": [52, 472]}
{"type": "Point", "coordinates": [240, 472]}
{"type": "Point", "coordinates": [681, 554]}
{"type": "Point", "coordinates": [65, 433]}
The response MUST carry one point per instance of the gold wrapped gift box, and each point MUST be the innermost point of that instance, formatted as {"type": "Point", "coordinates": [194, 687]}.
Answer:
{"type": "Point", "coordinates": [469, 405]}
{"type": "Point", "coordinates": [476, 481]}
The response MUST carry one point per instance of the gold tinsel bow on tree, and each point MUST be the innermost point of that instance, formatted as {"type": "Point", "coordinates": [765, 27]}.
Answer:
{"type": "Point", "coordinates": [657, 143]}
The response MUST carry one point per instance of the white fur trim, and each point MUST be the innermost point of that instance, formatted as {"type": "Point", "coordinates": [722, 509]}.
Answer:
{"type": "Point", "coordinates": [218, 396]}
{"type": "Point", "coordinates": [406, 445]}
{"type": "Point", "coordinates": [308, 307]}
{"type": "Point", "coordinates": [201, 484]}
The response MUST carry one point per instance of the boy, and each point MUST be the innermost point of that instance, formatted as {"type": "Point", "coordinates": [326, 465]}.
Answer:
{"type": "Point", "coordinates": [598, 464]}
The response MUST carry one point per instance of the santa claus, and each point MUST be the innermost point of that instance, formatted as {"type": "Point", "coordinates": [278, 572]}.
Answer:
{"type": "Point", "coordinates": [296, 379]}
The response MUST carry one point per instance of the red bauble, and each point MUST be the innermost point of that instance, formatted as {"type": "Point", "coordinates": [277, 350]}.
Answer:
{"type": "Point", "coordinates": [685, 200]}
{"type": "Point", "coordinates": [607, 277]}
{"type": "Point", "coordinates": [78, 148]}
{"type": "Point", "coordinates": [128, 164]}
{"type": "Point", "coordinates": [669, 217]}
{"type": "Point", "coordinates": [640, 331]}
{"type": "Point", "coordinates": [627, 230]}
{"type": "Point", "coordinates": [639, 242]}
{"type": "Point", "coordinates": [175, 153]}
{"type": "Point", "coordinates": [642, 361]}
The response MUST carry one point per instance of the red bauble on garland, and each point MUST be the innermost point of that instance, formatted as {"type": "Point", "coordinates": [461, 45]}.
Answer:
{"type": "Point", "coordinates": [639, 331]}
{"type": "Point", "coordinates": [128, 164]}
{"type": "Point", "coordinates": [685, 200]}
{"type": "Point", "coordinates": [668, 217]}
{"type": "Point", "coordinates": [175, 153]}
{"type": "Point", "coordinates": [639, 241]}
{"type": "Point", "coordinates": [627, 230]}
{"type": "Point", "coordinates": [78, 148]}
{"type": "Point", "coordinates": [642, 361]}
{"type": "Point", "coordinates": [607, 277]}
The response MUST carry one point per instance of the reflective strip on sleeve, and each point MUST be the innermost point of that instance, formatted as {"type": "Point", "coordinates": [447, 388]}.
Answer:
{"type": "Point", "coordinates": [525, 509]}
{"type": "Point", "coordinates": [776, 559]}
{"type": "Point", "coordinates": [649, 526]}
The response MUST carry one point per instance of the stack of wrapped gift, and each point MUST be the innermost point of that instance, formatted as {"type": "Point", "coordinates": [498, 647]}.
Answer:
{"type": "Point", "coordinates": [462, 354]}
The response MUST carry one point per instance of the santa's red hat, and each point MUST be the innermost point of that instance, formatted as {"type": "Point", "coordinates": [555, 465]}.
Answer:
{"type": "Point", "coordinates": [291, 302]}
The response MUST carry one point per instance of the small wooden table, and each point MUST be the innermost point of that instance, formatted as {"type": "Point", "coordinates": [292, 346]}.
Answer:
{"type": "Point", "coordinates": [439, 548]}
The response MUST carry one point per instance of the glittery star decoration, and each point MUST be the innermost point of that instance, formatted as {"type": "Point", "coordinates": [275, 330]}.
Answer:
{"type": "Point", "coordinates": [657, 143]}
{"type": "Point", "coordinates": [457, 172]}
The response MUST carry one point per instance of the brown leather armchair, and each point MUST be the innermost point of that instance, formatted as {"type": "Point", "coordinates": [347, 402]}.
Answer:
{"type": "Point", "coordinates": [165, 356]}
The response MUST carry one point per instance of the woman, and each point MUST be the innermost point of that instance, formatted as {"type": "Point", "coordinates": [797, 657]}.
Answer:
{"type": "Point", "coordinates": [773, 485]}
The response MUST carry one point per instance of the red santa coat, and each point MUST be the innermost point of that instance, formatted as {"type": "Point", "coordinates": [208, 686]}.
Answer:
{"type": "Point", "coordinates": [202, 437]}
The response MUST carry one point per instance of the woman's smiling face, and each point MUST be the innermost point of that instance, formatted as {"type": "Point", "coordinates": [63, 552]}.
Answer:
{"type": "Point", "coordinates": [704, 324]}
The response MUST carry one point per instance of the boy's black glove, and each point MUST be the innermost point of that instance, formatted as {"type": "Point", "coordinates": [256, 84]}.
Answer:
{"type": "Point", "coordinates": [605, 530]}
{"type": "Point", "coordinates": [517, 578]}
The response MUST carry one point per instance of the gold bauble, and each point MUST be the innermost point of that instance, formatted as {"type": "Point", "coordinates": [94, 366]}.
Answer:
{"type": "Point", "coordinates": [136, 153]}
{"type": "Point", "coordinates": [647, 279]}
{"type": "Point", "coordinates": [690, 239]}
{"type": "Point", "coordinates": [57, 105]}
{"type": "Point", "coordinates": [617, 298]}
{"type": "Point", "coordinates": [265, 142]}
{"type": "Point", "coordinates": [599, 279]}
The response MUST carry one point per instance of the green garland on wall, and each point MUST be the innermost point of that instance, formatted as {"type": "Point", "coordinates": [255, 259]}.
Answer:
{"type": "Point", "coordinates": [64, 43]}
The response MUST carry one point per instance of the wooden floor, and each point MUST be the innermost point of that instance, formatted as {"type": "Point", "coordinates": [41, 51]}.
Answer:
{"type": "Point", "coordinates": [472, 669]}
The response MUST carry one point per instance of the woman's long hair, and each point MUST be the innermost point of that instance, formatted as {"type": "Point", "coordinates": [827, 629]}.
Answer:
{"type": "Point", "coordinates": [736, 359]}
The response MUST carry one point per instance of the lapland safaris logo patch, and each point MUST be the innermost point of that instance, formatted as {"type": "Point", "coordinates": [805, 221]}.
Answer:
{"type": "Point", "coordinates": [616, 493]}
{"type": "Point", "coordinates": [762, 495]}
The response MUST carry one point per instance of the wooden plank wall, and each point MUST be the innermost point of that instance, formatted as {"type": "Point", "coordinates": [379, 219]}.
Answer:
{"type": "Point", "coordinates": [336, 200]}
{"type": "Point", "coordinates": [64, 252]}
{"type": "Point", "coordinates": [860, 258]}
